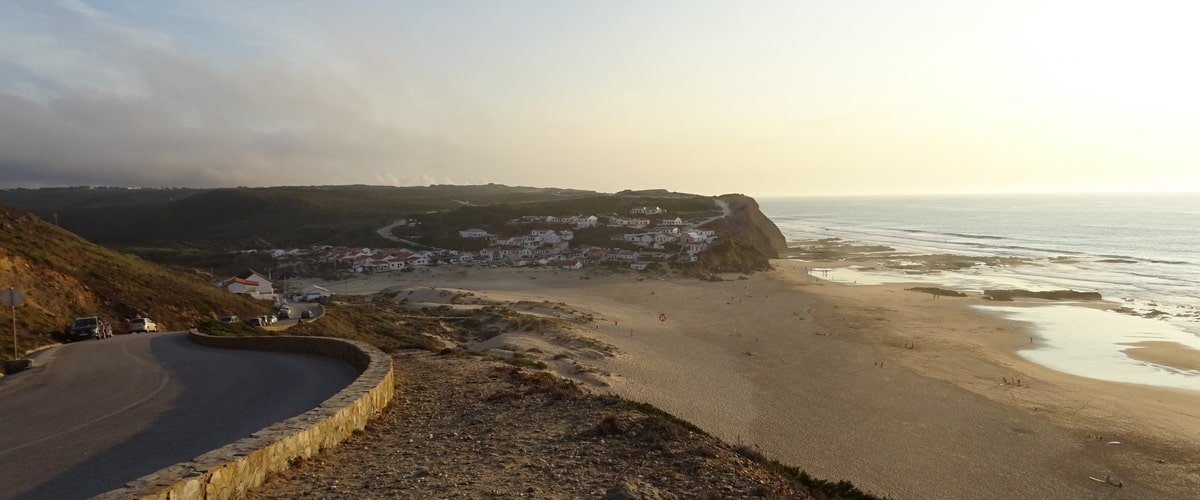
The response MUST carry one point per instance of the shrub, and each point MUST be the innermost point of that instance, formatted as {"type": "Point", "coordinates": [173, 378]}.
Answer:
{"type": "Point", "coordinates": [609, 425]}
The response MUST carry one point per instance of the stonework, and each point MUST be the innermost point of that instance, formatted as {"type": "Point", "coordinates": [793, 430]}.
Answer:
{"type": "Point", "coordinates": [231, 471]}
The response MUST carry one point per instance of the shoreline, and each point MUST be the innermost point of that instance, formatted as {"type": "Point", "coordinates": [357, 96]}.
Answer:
{"type": "Point", "coordinates": [901, 393]}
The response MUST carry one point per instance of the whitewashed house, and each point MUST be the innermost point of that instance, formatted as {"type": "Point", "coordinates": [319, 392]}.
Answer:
{"type": "Point", "coordinates": [241, 286]}
{"type": "Point", "coordinates": [641, 239]}
{"type": "Point", "coordinates": [473, 233]}
{"type": "Point", "coordinates": [646, 210]}
{"type": "Point", "coordinates": [509, 241]}
{"type": "Point", "coordinates": [314, 293]}
{"type": "Point", "coordinates": [251, 283]}
{"type": "Point", "coordinates": [587, 222]}
{"type": "Point", "coordinates": [634, 223]}
{"type": "Point", "coordinates": [545, 236]}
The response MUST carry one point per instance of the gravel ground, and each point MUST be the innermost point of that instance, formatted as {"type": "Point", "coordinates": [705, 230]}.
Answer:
{"type": "Point", "coordinates": [465, 427]}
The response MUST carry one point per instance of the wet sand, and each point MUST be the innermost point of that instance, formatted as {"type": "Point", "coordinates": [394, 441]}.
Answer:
{"type": "Point", "coordinates": [1172, 354]}
{"type": "Point", "coordinates": [902, 393]}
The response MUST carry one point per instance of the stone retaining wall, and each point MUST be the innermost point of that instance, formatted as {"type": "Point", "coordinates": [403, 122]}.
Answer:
{"type": "Point", "coordinates": [229, 472]}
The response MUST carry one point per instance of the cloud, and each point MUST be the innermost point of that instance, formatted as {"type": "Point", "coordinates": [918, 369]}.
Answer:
{"type": "Point", "coordinates": [90, 99]}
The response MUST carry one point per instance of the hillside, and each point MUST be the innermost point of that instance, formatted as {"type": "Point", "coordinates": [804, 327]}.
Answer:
{"type": "Point", "coordinates": [752, 226]}
{"type": "Point", "coordinates": [63, 276]}
{"type": "Point", "coordinates": [229, 218]}
{"type": "Point", "coordinates": [205, 228]}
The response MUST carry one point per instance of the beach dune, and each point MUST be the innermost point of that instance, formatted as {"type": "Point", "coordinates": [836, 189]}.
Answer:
{"type": "Point", "coordinates": [903, 394]}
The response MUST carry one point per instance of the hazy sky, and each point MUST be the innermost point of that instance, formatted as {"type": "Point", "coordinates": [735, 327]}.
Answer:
{"type": "Point", "coordinates": [760, 97]}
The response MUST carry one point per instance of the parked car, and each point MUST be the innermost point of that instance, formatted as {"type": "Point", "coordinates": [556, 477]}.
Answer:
{"type": "Point", "coordinates": [88, 327]}
{"type": "Point", "coordinates": [307, 314]}
{"type": "Point", "coordinates": [285, 313]}
{"type": "Point", "coordinates": [228, 319]}
{"type": "Point", "coordinates": [142, 325]}
{"type": "Point", "coordinates": [255, 321]}
{"type": "Point", "coordinates": [272, 319]}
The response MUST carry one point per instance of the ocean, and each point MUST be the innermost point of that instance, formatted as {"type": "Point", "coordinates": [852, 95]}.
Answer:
{"type": "Point", "coordinates": [1136, 249]}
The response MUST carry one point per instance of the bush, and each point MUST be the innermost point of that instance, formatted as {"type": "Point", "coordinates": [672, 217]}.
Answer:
{"type": "Point", "coordinates": [220, 329]}
{"type": "Point", "coordinates": [609, 425]}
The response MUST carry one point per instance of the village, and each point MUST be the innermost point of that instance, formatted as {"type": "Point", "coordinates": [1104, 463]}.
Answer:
{"type": "Point", "coordinates": [650, 236]}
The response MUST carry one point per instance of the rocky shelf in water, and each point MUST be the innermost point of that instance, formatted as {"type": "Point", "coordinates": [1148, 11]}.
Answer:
{"type": "Point", "coordinates": [1008, 295]}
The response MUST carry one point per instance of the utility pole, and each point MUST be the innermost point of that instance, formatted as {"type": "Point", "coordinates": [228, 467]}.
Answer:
{"type": "Point", "coordinates": [13, 298]}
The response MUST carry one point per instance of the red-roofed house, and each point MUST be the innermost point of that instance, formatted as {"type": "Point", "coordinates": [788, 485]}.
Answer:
{"type": "Point", "coordinates": [250, 283]}
{"type": "Point", "coordinates": [240, 286]}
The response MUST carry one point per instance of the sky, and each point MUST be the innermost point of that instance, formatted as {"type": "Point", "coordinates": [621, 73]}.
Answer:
{"type": "Point", "coordinates": [767, 98]}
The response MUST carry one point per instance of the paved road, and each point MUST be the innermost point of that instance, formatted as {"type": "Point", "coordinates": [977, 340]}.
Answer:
{"type": "Point", "coordinates": [96, 414]}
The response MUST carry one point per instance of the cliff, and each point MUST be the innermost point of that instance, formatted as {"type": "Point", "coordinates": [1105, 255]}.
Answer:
{"type": "Point", "coordinates": [748, 224]}
{"type": "Point", "coordinates": [747, 238]}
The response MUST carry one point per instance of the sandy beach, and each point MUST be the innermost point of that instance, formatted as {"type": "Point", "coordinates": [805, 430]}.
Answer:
{"type": "Point", "coordinates": [902, 393]}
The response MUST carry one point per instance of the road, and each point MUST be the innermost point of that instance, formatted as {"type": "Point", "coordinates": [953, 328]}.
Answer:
{"type": "Point", "coordinates": [96, 414]}
{"type": "Point", "coordinates": [385, 232]}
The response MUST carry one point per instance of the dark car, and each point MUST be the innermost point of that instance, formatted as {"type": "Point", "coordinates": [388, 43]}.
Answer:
{"type": "Point", "coordinates": [307, 314]}
{"type": "Point", "coordinates": [88, 327]}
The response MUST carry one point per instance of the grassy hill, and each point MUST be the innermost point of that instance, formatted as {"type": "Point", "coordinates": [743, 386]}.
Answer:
{"type": "Point", "coordinates": [63, 276]}
{"type": "Point", "coordinates": [205, 228]}
{"type": "Point", "coordinates": [241, 217]}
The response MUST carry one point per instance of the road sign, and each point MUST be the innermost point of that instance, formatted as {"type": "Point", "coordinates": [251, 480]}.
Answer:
{"type": "Point", "coordinates": [12, 297]}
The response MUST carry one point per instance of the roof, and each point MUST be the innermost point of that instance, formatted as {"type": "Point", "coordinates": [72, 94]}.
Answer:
{"type": "Point", "coordinates": [248, 273]}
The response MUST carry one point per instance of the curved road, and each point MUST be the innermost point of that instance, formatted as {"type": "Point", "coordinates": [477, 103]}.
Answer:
{"type": "Point", "coordinates": [94, 415]}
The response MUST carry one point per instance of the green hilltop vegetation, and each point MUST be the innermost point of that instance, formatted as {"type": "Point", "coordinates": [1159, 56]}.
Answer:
{"type": "Point", "coordinates": [207, 228]}
{"type": "Point", "coordinates": [240, 217]}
